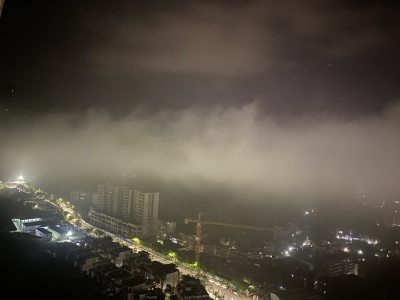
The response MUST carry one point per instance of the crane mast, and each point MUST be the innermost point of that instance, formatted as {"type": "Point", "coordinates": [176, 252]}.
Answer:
{"type": "Point", "coordinates": [200, 222]}
{"type": "Point", "coordinates": [198, 238]}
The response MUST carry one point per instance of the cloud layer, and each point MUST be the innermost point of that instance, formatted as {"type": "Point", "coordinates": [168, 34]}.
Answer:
{"type": "Point", "coordinates": [233, 147]}
{"type": "Point", "coordinates": [247, 38]}
{"type": "Point", "coordinates": [293, 56]}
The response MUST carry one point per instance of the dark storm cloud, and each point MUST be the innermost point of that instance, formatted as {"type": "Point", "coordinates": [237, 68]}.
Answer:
{"type": "Point", "coordinates": [251, 37]}
{"type": "Point", "coordinates": [196, 38]}
{"type": "Point", "coordinates": [294, 57]}
{"type": "Point", "coordinates": [230, 147]}
{"type": "Point", "coordinates": [296, 98]}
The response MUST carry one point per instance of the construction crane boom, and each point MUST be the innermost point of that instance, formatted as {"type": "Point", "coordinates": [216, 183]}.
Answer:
{"type": "Point", "coordinates": [199, 223]}
{"type": "Point", "coordinates": [229, 225]}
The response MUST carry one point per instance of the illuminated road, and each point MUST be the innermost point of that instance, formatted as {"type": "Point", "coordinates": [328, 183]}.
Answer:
{"type": "Point", "coordinates": [214, 288]}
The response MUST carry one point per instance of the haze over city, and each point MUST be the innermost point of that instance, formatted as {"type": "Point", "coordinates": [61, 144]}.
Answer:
{"type": "Point", "coordinates": [254, 94]}
{"type": "Point", "coordinates": [319, 156]}
{"type": "Point", "coordinates": [255, 113]}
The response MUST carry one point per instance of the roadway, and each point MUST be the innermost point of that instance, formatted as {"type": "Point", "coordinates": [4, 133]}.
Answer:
{"type": "Point", "coordinates": [215, 288]}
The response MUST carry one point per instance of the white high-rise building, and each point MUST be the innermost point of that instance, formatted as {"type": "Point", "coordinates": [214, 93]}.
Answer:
{"type": "Point", "coordinates": [127, 204]}
{"type": "Point", "coordinates": [114, 201]}
{"type": "Point", "coordinates": [145, 209]}
{"type": "Point", "coordinates": [101, 199]}
{"type": "Point", "coordinates": [108, 200]}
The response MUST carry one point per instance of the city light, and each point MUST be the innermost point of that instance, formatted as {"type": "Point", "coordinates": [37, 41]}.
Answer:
{"type": "Point", "coordinates": [137, 240]}
{"type": "Point", "coordinates": [172, 254]}
{"type": "Point", "coordinates": [194, 265]}
{"type": "Point", "coordinates": [200, 149]}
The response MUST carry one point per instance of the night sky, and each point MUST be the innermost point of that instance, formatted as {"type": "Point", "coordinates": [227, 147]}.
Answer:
{"type": "Point", "coordinates": [295, 99]}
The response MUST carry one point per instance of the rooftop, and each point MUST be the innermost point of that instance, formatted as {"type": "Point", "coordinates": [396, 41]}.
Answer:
{"type": "Point", "coordinates": [57, 229]}
{"type": "Point", "coordinates": [297, 294]}
{"type": "Point", "coordinates": [36, 223]}
{"type": "Point", "coordinates": [43, 230]}
{"type": "Point", "coordinates": [159, 268]}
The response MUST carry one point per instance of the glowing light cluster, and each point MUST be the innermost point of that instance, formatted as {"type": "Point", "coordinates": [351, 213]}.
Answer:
{"type": "Point", "coordinates": [350, 237]}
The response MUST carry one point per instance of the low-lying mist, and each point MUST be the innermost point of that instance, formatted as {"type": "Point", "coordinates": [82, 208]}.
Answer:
{"type": "Point", "coordinates": [235, 148]}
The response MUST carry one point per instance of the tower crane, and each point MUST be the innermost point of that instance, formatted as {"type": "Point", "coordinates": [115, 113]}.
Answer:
{"type": "Point", "coordinates": [200, 222]}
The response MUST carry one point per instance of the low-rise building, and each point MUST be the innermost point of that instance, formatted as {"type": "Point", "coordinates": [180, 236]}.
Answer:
{"type": "Point", "coordinates": [166, 229]}
{"type": "Point", "coordinates": [120, 254]}
{"type": "Point", "coordinates": [58, 233]}
{"type": "Point", "coordinates": [115, 225]}
{"type": "Point", "coordinates": [43, 233]}
{"type": "Point", "coordinates": [190, 288]}
{"type": "Point", "coordinates": [30, 225]}
{"type": "Point", "coordinates": [165, 274]}
{"type": "Point", "coordinates": [330, 266]}
{"type": "Point", "coordinates": [295, 294]}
